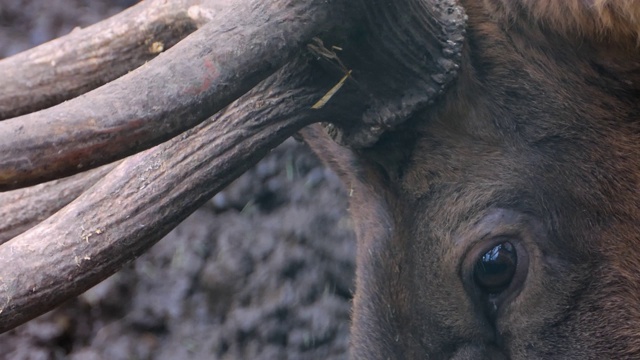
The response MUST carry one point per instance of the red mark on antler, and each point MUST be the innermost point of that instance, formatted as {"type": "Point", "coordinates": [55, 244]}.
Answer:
{"type": "Point", "coordinates": [211, 74]}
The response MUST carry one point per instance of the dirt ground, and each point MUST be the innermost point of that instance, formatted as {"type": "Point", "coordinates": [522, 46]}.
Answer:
{"type": "Point", "coordinates": [263, 271]}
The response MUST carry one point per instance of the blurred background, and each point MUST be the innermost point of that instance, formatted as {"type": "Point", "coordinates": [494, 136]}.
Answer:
{"type": "Point", "coordinates": [263, 271]}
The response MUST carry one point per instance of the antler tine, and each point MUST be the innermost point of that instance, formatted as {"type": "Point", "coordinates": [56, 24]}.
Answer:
{"type": "Point", "coordinates": [172, 93]}
{"type": "Point", "coordinates": [85, 59]}
{"type": "Point", "coordinates": [23, 208]}
{"type": "Point", "coordinates": [140, 201]}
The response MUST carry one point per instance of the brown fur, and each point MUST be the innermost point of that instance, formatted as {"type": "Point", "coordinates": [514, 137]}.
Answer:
{"type": "Point", "coordinates": [540, 135]}
{"type": "Point", "coordinates": [601, 18]}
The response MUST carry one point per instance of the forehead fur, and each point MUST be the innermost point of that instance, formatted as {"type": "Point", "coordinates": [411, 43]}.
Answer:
{"type": "Point", "coordinates": [583, 17]}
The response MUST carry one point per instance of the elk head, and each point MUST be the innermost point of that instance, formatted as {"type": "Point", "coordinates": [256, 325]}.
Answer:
{"type": "Point", "coordinates": [493, 174]}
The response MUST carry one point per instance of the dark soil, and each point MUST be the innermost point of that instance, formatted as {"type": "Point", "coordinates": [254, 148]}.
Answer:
{"type": "Point", "coordinates": [263, 271]}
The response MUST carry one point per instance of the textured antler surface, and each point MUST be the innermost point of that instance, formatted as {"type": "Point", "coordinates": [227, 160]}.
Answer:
{"type": "Point", "coordinates": [285, 46]}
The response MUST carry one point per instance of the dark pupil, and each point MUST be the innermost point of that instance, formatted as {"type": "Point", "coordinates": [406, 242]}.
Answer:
{"type": "Point", "coordinates": [495, 269]}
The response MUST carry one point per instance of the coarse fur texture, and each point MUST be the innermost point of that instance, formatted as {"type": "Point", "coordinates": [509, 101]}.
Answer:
{"type": "Point", "coordinates": [601, 18]}
{"type": "Point", "coordinates": [537, 142]}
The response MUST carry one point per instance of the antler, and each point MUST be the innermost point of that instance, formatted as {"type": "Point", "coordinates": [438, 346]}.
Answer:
{"type": "Point", "coordinates": [200, 76]}
{"type": "Point", "coordinates": [266, 54]}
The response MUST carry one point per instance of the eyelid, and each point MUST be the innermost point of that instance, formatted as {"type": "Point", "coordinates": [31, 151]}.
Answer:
{"type": "Point", "coordinates": [492, 225]}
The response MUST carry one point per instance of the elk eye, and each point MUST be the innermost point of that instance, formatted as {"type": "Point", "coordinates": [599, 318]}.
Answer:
{"type": "Point", "coordinates": [495, 269]}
